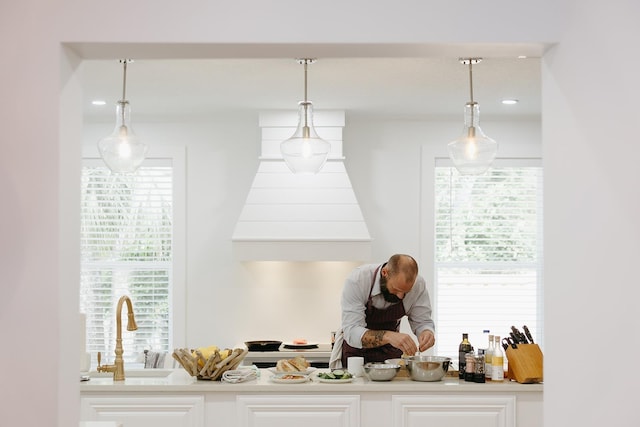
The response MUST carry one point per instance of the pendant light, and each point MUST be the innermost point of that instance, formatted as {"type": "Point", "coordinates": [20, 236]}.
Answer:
{"type": "Point", "coordinates": [473, 152]}
{"type": "Point", "coordinates": [305, 152]}
{"type": "Point", "coordinates": [122, 151]}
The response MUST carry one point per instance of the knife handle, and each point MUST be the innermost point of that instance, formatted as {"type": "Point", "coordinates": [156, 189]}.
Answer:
{"type": "Point", "coordinates": [528, 334]}
{"type": "Point", "coordinates": [519, 335]}
{"type": "Point", "coordinates": [505, 343]}
{"type": "Point", "coordinates": [514, 338]}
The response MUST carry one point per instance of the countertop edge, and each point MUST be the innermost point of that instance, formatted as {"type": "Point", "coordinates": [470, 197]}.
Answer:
{"type": "Point", "coordinates": [180, 382]}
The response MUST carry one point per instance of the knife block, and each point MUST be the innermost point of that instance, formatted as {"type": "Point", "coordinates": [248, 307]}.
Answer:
{"type": "Point", "coordinates": [525, 363]}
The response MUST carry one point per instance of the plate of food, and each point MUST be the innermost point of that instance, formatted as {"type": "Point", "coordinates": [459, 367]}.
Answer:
{"type": "Point", "coordinates": [337, 376]}
{"type": "Point", "coordinates": [300, 344]}
{"type": "Point", "coordinates": [289, 378]}
{"type": "Point", "coordinates": [292, 346]}
{"type": "Point", "coordinates": [307, 371]}
{"type": "Point", "coordinates": [297, 365]}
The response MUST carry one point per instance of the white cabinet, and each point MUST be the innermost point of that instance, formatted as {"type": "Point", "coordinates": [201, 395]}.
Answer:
{"type": "Point", "coordinates": [298, 410]}
{"type": "Point", "coordinates": [145, 411]}
{"type": "Point", "coordinates": [181, 401]}
{"type": "Point", "coordinates": [453, 411]}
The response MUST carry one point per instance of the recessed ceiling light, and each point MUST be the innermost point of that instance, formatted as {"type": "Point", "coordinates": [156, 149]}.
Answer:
{"type": "Point", "coordinates": [99, 102]}
{"type": "Point", "coordinates": [509, 101]}
{"type": "Point", "coordinates": [522, 56]}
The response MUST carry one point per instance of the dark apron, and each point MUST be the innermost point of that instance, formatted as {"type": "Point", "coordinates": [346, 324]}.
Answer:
{"type": "Point", "coordinates": [378, 320]}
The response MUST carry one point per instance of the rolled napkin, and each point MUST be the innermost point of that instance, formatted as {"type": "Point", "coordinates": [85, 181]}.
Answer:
{"type": "Point", "coordinates": [153, 359]}
{"type": "Point", "coordinates": [239, 375]}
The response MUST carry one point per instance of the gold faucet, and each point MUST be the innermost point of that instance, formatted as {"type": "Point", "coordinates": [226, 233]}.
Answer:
{"type": "Point", "coordinates": [118, 367]}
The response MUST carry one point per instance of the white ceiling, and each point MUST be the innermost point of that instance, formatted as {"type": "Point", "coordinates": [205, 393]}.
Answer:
{"type": "Point", "coordinates": [402, 87]}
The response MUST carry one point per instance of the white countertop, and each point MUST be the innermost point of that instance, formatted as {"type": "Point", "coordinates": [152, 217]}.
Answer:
{"type": "Point", "coordinates": [177, 380]}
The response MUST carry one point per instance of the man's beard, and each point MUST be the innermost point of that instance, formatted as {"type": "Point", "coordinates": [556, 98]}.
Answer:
{"type": "Point", "coordinates": [388, 296]}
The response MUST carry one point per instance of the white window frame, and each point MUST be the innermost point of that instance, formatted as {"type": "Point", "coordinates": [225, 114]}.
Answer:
{"type": "Point", "coordinates": [427, 231]}
{"type": "Point", "coordinates": [177, 157]}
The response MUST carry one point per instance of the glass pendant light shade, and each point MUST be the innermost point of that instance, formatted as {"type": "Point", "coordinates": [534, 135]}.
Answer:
{"type": "Point", "coordinates": [123, 151]}
{"type": "Point", "coordinates": [473, 152]}
{"type": "Point", "coordinates": [305, 152]}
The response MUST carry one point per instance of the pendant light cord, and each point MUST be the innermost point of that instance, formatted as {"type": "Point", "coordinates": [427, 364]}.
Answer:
{"type": "Point", "coordinates": [124, 79]}
{"type": "Point", "coordinates": [123, 101]}
{"type": "Point", "coordinates": [471, 89]}
{"type": "Point", "coordinates": [306, 62]}
{"type": "Point", "coordinates": [124, 86]}
{"type": "Point", "coordinates": [471, 80]}
{"type": "Point", "coordinates": [471, 103]}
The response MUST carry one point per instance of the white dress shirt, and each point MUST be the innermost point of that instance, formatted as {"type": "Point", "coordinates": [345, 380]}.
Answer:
{"type": "Point", "coordinates": [355, 294]}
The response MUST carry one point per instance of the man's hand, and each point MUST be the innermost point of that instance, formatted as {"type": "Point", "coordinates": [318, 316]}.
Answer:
{"type": "Point", "coordinates": [404, 342]}
{"type": "Point", "coordinates": [426, 340]}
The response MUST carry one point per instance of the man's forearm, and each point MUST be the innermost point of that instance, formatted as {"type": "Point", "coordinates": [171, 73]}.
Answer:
{"type": "Point", "coordinates": [373, 339]}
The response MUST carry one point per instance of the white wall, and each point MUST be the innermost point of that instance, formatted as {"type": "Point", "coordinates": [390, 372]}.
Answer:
{"type": "Point", "coordinates": [589, 90]}
{"type": "Point", "coordinates": [592, 206]}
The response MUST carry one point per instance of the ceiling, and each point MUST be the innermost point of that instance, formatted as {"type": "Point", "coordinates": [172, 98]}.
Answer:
{"type": "Point", "coordinates": [398, 87]}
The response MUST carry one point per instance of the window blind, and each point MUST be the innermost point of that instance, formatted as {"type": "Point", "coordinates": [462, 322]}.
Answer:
{"type": "Point", "coordinates": [488, 250]}
{"type": "Point", "coordinates": [126, 249]}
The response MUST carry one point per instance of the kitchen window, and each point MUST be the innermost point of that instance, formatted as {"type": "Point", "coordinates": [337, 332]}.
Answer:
{"type": "Point", "coordinates": [128, 247]}
{"type": "Point", "coordinates": [488, 253]}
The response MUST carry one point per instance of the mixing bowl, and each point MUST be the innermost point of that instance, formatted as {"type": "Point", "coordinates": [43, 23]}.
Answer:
{"type": "Point", "coordinates": [381, 371]}
{"type": "Point", "coordinates": [427, 368]}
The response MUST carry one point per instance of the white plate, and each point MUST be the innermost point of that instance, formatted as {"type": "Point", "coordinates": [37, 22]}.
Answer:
{"type": "Point", "coordinates": [280, 380]}
{"type": "Point", "coordinates": [293, 346]}
{"type": "Point", "coordinates": [307, 372]}
{"type": "Point", "coordinates": [340, 381]}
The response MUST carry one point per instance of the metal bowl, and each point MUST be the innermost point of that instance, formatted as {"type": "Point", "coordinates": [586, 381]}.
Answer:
{"type": "Point", "coordinates": [427, 368]}
{"type": "Point", "coordinates": [381, 371]}
{"type": "Point", "coordinates": [399, 361]}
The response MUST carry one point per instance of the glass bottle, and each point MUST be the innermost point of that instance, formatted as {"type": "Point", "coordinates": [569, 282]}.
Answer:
{"type": "Point", "coordinates": [464, 348]}
{"type": "Point", "coordinates": [469, 366]}
{"type": "Point", "coordinates": [497, 361]}
{"type": "Point", "coordinates": [478, 376]}
{"type": "Point", "coordinates": [487, 358]}
{"type": "Point", "coordinates": [485, 334]}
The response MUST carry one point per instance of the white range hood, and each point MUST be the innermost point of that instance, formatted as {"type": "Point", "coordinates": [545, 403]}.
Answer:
{"type": "Point", "coordinates": [289, 217]}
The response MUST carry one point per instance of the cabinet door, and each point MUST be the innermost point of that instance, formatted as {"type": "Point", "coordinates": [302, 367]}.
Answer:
{"type": "Point", "coordinates": [297, 411]}
{"type": "Point", "coordinates": [145, 411]}
{"type": "Point", "coordinates": [453, 411]}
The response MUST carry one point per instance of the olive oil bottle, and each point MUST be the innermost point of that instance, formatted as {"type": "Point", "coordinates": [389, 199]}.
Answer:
{"type": "Point", "coordinates": [488, 354]}
{"type": "Point", "coordinates": [497, 361]}
{"type": "Point", "coordinates": [464, 348]}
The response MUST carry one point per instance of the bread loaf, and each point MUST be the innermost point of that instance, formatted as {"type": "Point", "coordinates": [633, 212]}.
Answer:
{"type": "Point", "coordinates": [283, 365]}
{"type": "Point", "coordinates": [297, 364]}
{"type": "Point", "coordinates": [300, 363]}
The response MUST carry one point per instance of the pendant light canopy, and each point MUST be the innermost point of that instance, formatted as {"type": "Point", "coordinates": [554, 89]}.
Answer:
{"type": "Point", "coordinates": [473, 152]}
{"type": "Point", "coordinates": [305, 152]}
{"type": "Point", "coordinates": [122, 151]}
